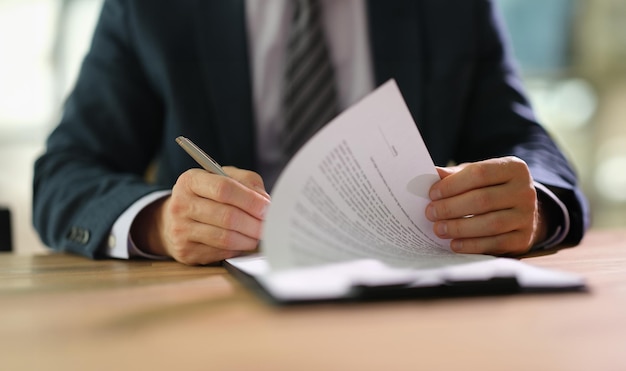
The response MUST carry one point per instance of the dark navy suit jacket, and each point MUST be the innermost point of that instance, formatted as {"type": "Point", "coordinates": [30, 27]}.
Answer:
{"type": "Point", "coordinates": [159, 68]}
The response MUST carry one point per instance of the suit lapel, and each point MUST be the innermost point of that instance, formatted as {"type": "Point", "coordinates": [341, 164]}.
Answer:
{"type": "Point", "coordinates": [396, 47]}
{"type": "Point", "coordinates": [223, 50]}
{"type": "Point", "coordinates": [412, 41]}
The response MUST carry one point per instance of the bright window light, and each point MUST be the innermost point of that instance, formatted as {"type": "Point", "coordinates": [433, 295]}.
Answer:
{"type": "Point", "coordinates": [26, 70]}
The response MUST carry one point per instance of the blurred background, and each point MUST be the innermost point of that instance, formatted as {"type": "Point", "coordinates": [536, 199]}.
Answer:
{"type": "Point", "coordinates": [571, 54]}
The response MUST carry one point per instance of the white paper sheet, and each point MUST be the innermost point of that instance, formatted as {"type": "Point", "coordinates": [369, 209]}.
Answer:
{"type": "Point", "coordinates": [358, 190]}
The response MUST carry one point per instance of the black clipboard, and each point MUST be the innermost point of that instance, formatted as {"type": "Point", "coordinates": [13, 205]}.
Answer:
{"type": "Point", "coordinates": [493, 286]}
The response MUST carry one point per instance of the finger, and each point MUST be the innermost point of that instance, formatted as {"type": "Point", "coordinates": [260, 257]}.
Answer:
{"type": "Point", "coordinates": [490, 224]}
{"type": "Point", "coordinates": [225, 190]}
{"type": "Point", "coordinates": [474, 202]}
{"type": "Point", "coordinates": [478, 175]}
{"type": "Point", "coordinates": [512, 243]}
{"type": "Point", "coordinates": [220, 238]}
{"type": "Point", "coordinates": [226, 217]}
{"type": "Point", "coordinates": [182, 233]}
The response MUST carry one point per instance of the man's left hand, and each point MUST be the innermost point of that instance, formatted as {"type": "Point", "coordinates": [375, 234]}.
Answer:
{"type": "Point", "coordinates": [487, 207]}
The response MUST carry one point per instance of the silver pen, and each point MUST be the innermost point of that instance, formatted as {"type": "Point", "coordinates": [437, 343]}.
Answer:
{"type": "Point", "coordinates": [200, 156]}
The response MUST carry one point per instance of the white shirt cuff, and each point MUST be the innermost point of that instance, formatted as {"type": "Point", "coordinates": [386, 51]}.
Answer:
{"type": "Point", "coordinates": [559, 234]}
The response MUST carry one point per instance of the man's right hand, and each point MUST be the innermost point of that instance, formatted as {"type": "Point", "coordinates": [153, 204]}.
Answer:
{"type": "Point", "coordinates": [207, 218]}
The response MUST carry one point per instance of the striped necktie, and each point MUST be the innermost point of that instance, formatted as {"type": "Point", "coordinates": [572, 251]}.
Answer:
{"type": "Point", "coordinates": [310, 95]}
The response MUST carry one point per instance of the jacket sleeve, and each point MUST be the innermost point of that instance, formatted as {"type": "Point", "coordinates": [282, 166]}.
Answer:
{"type": "Point", "coordinates": [501, 121]}
{"type": "Point", "coordinates": [95, 159]}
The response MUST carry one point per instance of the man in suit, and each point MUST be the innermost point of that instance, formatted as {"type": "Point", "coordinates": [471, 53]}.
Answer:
{"type": "Point", "coordinates": [211, 70]}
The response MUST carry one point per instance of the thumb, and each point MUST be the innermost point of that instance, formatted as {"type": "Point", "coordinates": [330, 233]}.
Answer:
{"type": "Point", "coordinates": [445, 171]}
{"type": "Point", "coordinates": [449, 170]}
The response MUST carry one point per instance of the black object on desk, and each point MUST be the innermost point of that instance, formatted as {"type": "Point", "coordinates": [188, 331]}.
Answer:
{"type": "Point", "coordinates": [6, 243]}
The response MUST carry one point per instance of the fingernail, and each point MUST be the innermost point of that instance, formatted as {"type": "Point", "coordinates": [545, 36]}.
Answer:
{"type": "Point", "coordinates": [456, 245]}
{"type": "Point", "coordinates": [442, 229]}
{"type": "Point", "coordinates": [431, 213]}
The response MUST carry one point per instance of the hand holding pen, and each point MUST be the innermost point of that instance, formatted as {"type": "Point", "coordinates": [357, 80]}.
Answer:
{"type": "Point", "coordinates": [210, 215]}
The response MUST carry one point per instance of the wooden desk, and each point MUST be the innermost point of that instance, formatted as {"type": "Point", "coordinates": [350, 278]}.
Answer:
{"type": "Point", "coordinates": [68, 313]}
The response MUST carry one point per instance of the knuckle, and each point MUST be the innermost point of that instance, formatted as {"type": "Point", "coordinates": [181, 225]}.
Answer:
{"type": "Point", "coordinates": [495, 225]}
{"type": "Point", "coordinates": [518, 162]}
{"type": "Point", "coordinates": [519, 166]}
{"type": "Point", "coordinates": [483, 201]}
{"type": "Point", "coordinates": [528, 200]}
{"type": "Point", "coordinates": [222, 190]}
{"type": "Point", "coordinates": [177, 207]}
{"type": "Point", "coordinates": [229, 218]}
{"type": "Point", "coordinates": [250, 204]}
{"type": "Point", "coordinates": [455, 229]}
{"type": "Point", "coordinates": [443, 210]}
{"type": "Point", "coordinates": [479, 171]}
{"type": "Point", "coordinates": [178, 233]}
{"type": "Point", "coordinates": [530, 192]}
{"type": "Point", "coordinates": [253, 178]}
{"type": "Point", "coordinates": [223, 239]}
{"type": "Point", "coordinates": [185, 180]}
{"type": "Point", "coordinates": [531, 195]}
